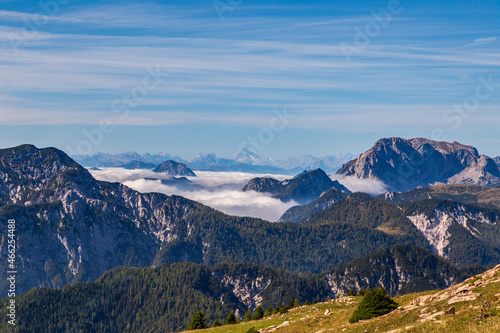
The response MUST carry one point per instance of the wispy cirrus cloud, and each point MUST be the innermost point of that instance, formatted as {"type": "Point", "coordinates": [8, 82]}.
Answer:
{"type": "Point", "coordinates": [235, 72]}
{"type": "Point", "coordinates": [482, 41]}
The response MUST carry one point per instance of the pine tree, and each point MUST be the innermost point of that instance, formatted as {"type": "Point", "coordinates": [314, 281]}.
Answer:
{"type": "Point", "coordinates": [231, 319]}
{"type": "Point", "coordinates": [269, 311]}
{"type": "Point", "coordinates": [375, 303]}
{"type": "Point", "coordinates": [198, 321]}
{"type": "Point", "coordinates": [258, 314]}
{"type": "Point", "coordinates": [248, 315]}
{"type": "Point", "coordinates": [216, 324]}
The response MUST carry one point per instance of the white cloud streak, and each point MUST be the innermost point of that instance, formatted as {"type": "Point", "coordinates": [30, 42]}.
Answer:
{"type": "Point", "coordinates": [354, 184]}
{"type": "Point", "coordinates": [482, 41]}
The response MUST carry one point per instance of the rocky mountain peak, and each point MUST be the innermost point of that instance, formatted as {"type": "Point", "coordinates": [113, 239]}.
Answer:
{"type": "Point", "coordinates": [31, 174]}
{"type": "Point", "coordinates": [303, 188]}
{"type": "Point", "coordinates": [247, 156]}
{"type": "Point", "coordinates": [175, 169]}
{"type": "Point", "coordinates": [405, 164]}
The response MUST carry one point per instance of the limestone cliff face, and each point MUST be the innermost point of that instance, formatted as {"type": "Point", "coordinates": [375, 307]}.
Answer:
{"type": "Point", "coordinates": [405, 164]}
{"type": "Point", "coordinates": [461, 233]}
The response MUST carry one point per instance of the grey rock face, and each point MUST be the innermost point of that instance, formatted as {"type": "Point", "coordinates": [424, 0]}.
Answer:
{"type": "Point", "coordinates": [400, 269]}
{"type": "Point", "coordinates": [405, 164]}
{"type": "Point", "coordinates": [497, 160]}
{"type": "Point", "coordinates": [461, 233]}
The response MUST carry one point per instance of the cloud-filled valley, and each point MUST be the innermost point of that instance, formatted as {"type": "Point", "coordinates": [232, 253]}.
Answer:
{"type": "Point", "coordinates": [219, 190]}
{"type": "Point", "coordinates": [222, 190]}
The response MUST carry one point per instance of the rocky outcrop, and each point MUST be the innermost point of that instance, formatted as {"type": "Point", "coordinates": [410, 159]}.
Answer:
{"type": "Point", "coordinates": [406, 164]}
{"type": "Point", "coordinates": [174, 169]}
{"type": "Point", "coordinates": [400, 269]}
{"type": "Point", "coordinates": [456, 231]}
{"type": "Point", "coordinates": [303, 188]}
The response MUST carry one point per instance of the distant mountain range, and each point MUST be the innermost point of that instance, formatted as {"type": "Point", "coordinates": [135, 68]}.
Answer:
{"type": "Point", "coordinates": [121, 160]}
{"type": "Point", "coordinates": [406, 164]}
{"type": "Point", "coordinates": [137, 164]}
{"type": "Point", "coordinates": [329, 163]}
{"type": "Point", "coordinates": [244, 161]}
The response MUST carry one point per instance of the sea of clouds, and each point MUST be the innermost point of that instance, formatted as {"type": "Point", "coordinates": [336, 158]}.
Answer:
{"type": "Point", "coordinates": [219, 190]}
{"type": "Point", "coordinates": [223, 190]}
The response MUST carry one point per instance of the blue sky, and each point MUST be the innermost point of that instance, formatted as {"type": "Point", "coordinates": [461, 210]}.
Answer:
{"type": "Point", "coordinates": [346, 72]}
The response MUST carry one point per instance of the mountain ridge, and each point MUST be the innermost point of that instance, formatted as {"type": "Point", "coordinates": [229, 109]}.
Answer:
{"type": "Point", "coordinates": [406, 164]}
{"type": "Point", "coordinates": [302, 188]}
{"type": "Point", "coordinates": [323, 202]}
{"type": "Point", "coordinates": [174, 169]}
{"type": "Point", "coordinates": [244, 161]}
